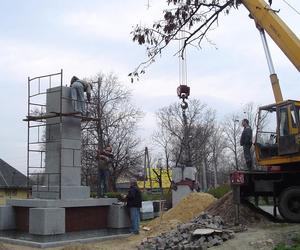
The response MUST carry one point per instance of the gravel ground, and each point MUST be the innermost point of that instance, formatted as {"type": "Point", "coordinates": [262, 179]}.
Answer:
{"type": "Point", "coordinates": [264, 237]}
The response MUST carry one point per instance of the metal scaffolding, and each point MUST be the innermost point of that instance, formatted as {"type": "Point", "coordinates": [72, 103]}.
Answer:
{"type": "Point", "coordinates": [38, 132]}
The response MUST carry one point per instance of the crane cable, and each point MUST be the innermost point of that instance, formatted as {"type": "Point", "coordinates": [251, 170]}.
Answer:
{"type": "Point", "coordinates": [182, 63]}
{"type": "Point", "coordinates": [293, 8]}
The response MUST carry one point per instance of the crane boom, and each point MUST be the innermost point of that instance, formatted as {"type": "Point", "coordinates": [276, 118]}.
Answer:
{"type": "Point", "coordinates": [281, 34]}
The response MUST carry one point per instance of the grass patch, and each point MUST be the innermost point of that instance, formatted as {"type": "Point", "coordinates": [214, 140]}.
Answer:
{"type": "Point", "coordinates": [295, 245]}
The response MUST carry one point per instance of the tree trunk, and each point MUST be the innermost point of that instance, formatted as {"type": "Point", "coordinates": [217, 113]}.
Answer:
{"type": "Point", "coordinates": [204, 175]}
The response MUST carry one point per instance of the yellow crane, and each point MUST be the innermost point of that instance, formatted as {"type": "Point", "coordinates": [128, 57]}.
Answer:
{"type": "Point", "coordinates": [277, 141]}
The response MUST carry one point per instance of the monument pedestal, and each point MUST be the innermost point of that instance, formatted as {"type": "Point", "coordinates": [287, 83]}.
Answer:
{"type": "Point", "coordinates": [50, 217]}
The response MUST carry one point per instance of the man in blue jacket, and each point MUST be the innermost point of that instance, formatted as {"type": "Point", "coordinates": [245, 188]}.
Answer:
{"type": "Point", "coordinates": [134, 203]}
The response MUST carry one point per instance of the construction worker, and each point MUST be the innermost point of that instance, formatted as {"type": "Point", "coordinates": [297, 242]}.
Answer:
{"type": "Point", "coordinates": [105, 161]}
{"type": "Point", "coordinates": [78, 87]}
{"type": "Point", "coordinates": [134, 203]}
{"type": "Point", "coordinates": [246, 142]}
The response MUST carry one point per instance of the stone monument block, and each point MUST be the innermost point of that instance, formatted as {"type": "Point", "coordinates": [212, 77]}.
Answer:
{"type": "Point", "coordinates": [7, 218]}
{"type": "Point", "coordinates": [118, 217]}
{"type": "Point", "coordinates": [63, 150]}
{"type": "Point", "coordinates": [46, 221]}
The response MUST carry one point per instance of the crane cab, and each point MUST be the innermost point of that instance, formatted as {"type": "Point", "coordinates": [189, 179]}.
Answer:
{"type": "Point", "coordinates": [277, 141]}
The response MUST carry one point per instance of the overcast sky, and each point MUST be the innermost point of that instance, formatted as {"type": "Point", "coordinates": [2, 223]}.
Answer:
{"type": "Point", "coordinates": [86, 37]}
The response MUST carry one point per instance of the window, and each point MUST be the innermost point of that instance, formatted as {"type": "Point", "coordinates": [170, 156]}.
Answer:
{"type": "Point", "coordinates": [283, 122]}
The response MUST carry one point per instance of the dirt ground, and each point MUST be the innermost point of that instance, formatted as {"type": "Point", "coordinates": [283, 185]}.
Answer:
{"type": "Point", "coordinates": [264, 237]}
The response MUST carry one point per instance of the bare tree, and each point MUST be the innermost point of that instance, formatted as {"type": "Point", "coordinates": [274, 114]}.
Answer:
{"type": "Point", "coordinates": [116, 125]}
{"type": "Point", "coordinates": [232, 132]}
{"type": "Point", "coordinates": [170, 135]}
{"type": "Point", "coordinates": [217, 145]}
{"type": "Point", "coordinates": [188, 21]}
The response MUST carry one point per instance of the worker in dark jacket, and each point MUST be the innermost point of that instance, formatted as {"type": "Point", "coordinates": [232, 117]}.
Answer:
{"type": "Point", "coordinates": [134, 203]}
{"type": "Point", "coordinates": [246, 142]}
{"type": "Point", "coordinates": [105, 163]}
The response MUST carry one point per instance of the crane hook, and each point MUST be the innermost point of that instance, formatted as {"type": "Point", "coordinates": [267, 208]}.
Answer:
{"type": "Point", "coordinates": [184, 105]}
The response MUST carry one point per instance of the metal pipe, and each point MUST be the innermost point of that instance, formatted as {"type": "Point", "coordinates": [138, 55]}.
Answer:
{"type": "Point", "coordinates": [267, 51]}
{"type": "Point", "coordinates": [60, 132]}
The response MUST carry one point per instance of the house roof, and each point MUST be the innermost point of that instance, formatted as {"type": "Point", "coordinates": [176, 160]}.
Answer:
{"type": "Point", "coordinates": [11, 177]}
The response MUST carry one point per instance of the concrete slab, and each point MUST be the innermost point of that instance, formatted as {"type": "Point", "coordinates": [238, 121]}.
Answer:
{"type": "Point", "coordinates": [43, 203]}
{"type": "Point", "coordinates": [58, 240]}
{"type": "Point", "coordinates": [46, 221]}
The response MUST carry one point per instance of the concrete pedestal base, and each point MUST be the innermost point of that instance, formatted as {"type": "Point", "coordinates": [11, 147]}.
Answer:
{"type": "Point", "coordinates": [118, 217]}
{"type": "Point", "coordinates": [49, 217]}
{"type": "Point", "coordinates": [46, 221]}
{"type": "Point", "coordinates": [7, 218]}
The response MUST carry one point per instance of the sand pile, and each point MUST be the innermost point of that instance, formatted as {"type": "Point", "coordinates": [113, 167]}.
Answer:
{"type": "Point", "coordinates": [188, 208]}
{"type": "Point", "coordinates": [225, 208]}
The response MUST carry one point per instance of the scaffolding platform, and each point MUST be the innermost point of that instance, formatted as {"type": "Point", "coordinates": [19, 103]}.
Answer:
{"type": "Point", "coordinates": [55, 114]}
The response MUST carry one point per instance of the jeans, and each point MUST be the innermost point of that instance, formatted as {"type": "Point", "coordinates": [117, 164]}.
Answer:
{"type": "Point", "coordinates": [77, 93]}
{"type": "Point", "coordinates": [103, 176]}
{"type": "Point", "coordinates": [248, 156]}
{"type": "Point", "coordinates": [134, 219]}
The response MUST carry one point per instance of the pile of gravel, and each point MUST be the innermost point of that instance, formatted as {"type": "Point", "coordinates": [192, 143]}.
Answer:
{"type": "Point", "coordinates": [211, 232]}
{"type": "Point", "coordinates": [225, 208]}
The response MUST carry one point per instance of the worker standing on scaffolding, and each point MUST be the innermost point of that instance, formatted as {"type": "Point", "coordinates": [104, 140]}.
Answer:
{"type": "Point", "coordinates": [105, 161]}
{"type": "Point", "coordinates": [78, 87]}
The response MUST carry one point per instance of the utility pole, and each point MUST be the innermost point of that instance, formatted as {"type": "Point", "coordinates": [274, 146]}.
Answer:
{"type": "Point", "coordinates": [100, 141]}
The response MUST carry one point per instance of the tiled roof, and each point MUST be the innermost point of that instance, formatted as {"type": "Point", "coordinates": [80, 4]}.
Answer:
{"type": "Point", "coordinates": [11, 177]}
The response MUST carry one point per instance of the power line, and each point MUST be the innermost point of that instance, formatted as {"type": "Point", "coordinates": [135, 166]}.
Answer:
{"type": "Point", "coordinates": [293, 8]}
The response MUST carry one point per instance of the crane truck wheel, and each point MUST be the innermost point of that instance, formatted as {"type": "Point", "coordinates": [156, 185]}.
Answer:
{"type": "Point", "coordinates": [289, 204]}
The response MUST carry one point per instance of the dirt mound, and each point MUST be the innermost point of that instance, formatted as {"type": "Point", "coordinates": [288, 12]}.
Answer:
{"type": "Point", "coordinates": [185, 210]}
{"type": "Point", "coordinates": [225, 208]}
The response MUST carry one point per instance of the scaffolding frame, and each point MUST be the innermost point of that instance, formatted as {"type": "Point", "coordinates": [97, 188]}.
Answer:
{"type": "Point", "coordinates": [38, 88]}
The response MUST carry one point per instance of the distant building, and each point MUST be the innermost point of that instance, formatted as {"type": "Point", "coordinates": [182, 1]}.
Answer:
{"type": "Point", "coordinates": [123, 184]}
{"type": "Point", "coordinates": [152, 179]}
{"type": "Point", "coordinates": [13, 184]}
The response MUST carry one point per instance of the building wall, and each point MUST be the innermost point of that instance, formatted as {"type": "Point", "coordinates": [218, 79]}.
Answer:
{"type": "Point", "coordinates": [12, 194]}
{"type": "Point", "coordinates": [154, 181]}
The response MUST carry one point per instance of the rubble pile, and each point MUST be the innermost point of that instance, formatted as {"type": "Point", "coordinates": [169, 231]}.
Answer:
{"type": "Point", "coordinates": [185, 210]}
{"type": "Point", "coordinates": [225, 208]}
{"type": "Point", "coordinates": [202, 232]}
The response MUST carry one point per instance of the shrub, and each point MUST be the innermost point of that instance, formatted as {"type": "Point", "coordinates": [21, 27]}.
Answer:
{"type": "Point", "coordinates": [113, 194]}
{"type": "Point", "coordinates": [220, 191]}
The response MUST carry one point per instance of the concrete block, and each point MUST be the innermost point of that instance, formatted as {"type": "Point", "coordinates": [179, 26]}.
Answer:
{"type": "Point", "coordinates": [147, 210]}
{"type": "Point", "coordinates": [46, 221]}
{"type": "Point", "coordinates": [67, 192]}
{"type": "Point", "coordinates": [70, 176]}
{"type": "Point", "coordinates": [147, 215]}
{"type": "Point", "coordinates": [118, 217]}
{"type": "Point", "coordinates": [75, 192]}
{"type": "Point", "coordinates": [7, 218]}
{"type": "Point", "coordinates": [188, 172]}
{"type": "Point", "coordinates": [181, 192]}
{"type": "Point", "coordinates": [158, 207]}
